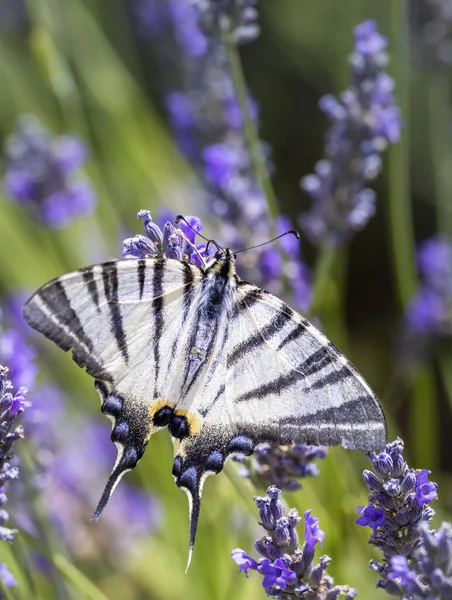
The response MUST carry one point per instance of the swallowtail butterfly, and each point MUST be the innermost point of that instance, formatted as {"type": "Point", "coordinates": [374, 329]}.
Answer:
{"type": "Point", "coordinates": [222, 363]}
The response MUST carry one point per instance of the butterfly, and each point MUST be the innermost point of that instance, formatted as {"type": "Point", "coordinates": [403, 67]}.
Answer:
{"type": "Point", "coordinates": [222, 363]}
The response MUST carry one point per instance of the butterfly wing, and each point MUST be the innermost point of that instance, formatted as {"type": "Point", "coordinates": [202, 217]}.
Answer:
{"type": "Point", "coordinates": [273, 377]}
{"type": "Point", "coordinates": [124, 322]}
{"type": "Point", "coordinates": [299, 387]}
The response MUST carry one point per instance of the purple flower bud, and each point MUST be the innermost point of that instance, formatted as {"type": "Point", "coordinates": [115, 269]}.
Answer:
{"type": "Point", "coordinates": [372, 481]}
{"type": "Point", "coordinates": [425, 490]}
{"type": "Point", "coordinates": [275, 574]}
{"type": "Point", "coordinates": [281, 533]}
{"type": "Point", "coordinates": [268, 548]}
{"type": "Point", "coordinates": [266, 515]}
{"type": "Point", "coordinates": [138, 247]}
{"type": "Point", "coordinates": [151, 229]}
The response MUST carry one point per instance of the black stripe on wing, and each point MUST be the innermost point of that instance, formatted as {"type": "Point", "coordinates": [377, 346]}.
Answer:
{"type": "Point", "coordinates": [261, 336]}
{"type": "Point", "coordinates": [88, 278]}
{"type": "Point", "coordinates": [110, 279]}
{"type": "Point", "coordinates": [157, 309]}
{"type": "Point", "coordinates": [60, 323]}
{"type": "Point", "coordinates": [316, 362]}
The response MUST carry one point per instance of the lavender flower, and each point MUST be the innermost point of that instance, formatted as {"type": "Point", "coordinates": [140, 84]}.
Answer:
{"type": "Point", "coordinates": [171, 242]}
{"type": "Point", "coordinates": [427, 317]}
{"type": "Point", "coordinates": [429, 574]}
{"type": "Point", "coordinates": [281, 465]}
{"type": "Point", "coordinates": [365, 119]}
{"type": "Point", "coordinates": [44, 174]}
{"type": "Point", "coordinates": [207, 121]}
{"type": "Point", "coordinates": [287, 570]}
{"type": "Point", "coordinates": [11, 406]}
{"type": "Point", "coordinates": [398, 506]}
{"type": "Point", "coordinates": [235, 17]}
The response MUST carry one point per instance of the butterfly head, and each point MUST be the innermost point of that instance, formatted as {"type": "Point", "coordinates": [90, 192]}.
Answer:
{"type": "Point", "coordinates": [224, 263]}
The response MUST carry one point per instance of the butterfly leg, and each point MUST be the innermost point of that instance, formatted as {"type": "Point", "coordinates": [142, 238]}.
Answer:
{"type": "Point", "coordinates": [130, 433]}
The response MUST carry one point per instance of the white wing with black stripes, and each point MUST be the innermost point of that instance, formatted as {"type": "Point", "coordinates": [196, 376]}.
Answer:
{"type": "Point", "coordinates": [220, 362]}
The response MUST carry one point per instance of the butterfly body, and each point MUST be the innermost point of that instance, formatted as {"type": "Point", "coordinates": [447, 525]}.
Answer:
{"type": "Point", "coordinates": [219, 361]}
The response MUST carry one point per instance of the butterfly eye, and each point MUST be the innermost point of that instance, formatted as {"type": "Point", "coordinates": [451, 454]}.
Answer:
{"type": "Point", "coordinates": [218, 254]}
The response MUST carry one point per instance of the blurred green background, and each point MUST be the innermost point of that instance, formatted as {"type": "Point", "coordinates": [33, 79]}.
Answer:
{"type": "Point", "coordinates": [81, 67]}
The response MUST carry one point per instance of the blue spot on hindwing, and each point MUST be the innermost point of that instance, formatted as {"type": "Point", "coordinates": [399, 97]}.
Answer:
{"type": "Point", "coordinates": [113, 406]}
{"type": "Point", "coordinates": [120, 433]}
{"type": "Point", "coordinates": [189, 479]}
{"type": "Point", "coordinates": [177, 466]}
{"type": "Point", "coordinates": [215, 462]}
{"type": "Point", "coordinates": [130, 458]}
{"type": "Point", "coordinates": [241, 444]}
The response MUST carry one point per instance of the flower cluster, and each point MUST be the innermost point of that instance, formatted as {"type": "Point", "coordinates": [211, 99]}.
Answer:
{"type": "Point", "coordinates": [171, 242]}
{"type": "Point", "coordinates": [288, 571]}
{"type": "Point", "coordinates": [11, 406]}
{"type": "Point", "coordinates": [207, 121]}
{"type": "Point", "coordinates": [399, 500]}
{"type": "Point", "coordinates": [44, 174]}
{"type": "Point", "coordinates": [365, 119]}
{"type": "Point", "coordinates": [281, 465]}
{"type": "Point", "coordinates": [236, 17]}
{"type": "Point", "coordinates": [427, 319]}
{"type": "Point", "coordinates": [429, 574]}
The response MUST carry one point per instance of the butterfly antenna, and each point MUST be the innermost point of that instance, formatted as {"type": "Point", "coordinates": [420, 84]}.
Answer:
{"type": "Point", "coordinates": [182, 218]}
{"type": "Point", "coordinates": [290, 231]}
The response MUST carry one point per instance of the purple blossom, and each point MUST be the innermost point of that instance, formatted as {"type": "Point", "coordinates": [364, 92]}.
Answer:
{"type": "Point", "coordinates": [44, 174]}
{"type": "Point", "coordinates": [370, 516]}
{"type": "Point", "coordinates": [11, 406]}
{"type": "Point", "coordinates": [6, 577]}
{"type": "Point", "coordinates": [287, 570]}
{"type": "Point", "coordinates": [398, 508]}
{"type": "Point", "coordinates": [365, 119]}
{"type": "Point", "coordinates": [207, 121]}
{"type": "Point", "coordinates": [244, 561]}
{"type": "Point", "coordinates": [312, 533]}
{"type": "Point", "coordinates": [19, 355]}
{"type": "Point", "coordinates": [283, 466]}
{"type": "Point", "coordinates": [275, 574]}
{"type": "Point", "coordinates": [428, 574]}
{"type": "Point", "coordinates": [427, 317]}
{"type": "Point", "coordinates": [425, 490]}
{"type": "Point", "coordinates": [171, 242]}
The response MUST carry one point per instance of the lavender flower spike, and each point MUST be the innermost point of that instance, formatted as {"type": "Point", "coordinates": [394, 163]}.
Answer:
{"type": "Point", "coordinates": [44, 174]}
{"type": "Point", "coordinates": [287, 570]}
{"type": "Point", "coordinates": [11, 406]}
{"type": "Point", "coordinates": [429, 574]}
{"type": "Point", "coordinates": [171, 242]}
{"type": "Point", "coordinates": [283, 466]}
{"type": "Point", "coordinates": [365, 119]}
{"type": "Point", "coordinates": [398, 507]}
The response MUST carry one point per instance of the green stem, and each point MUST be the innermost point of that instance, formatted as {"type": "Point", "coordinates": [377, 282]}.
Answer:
{"type": "Point", "coordinates": [78, 579]}
{"type": "Point", "coordinates": [424, 413]}
{"type": "Point", "coordinates": [250, 127]}
{"type": "Point", "coordinates": [401, 231]}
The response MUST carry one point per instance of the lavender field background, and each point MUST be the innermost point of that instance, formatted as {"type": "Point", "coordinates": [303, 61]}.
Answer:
{"type": "Point", "coordinates": [333, 118]}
